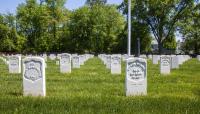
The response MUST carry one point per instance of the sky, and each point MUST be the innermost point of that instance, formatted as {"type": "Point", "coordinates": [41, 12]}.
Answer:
{"type": "Point", "coordinates": [11, 5]}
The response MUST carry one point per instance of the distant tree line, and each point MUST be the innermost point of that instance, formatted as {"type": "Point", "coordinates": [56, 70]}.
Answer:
{"type": "Point", "coordinates": [47, 26]}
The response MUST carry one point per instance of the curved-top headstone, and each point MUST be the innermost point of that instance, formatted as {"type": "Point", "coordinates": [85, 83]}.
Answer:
{"type": "Point", "coordinates": [34, 76]}
{"type": "Point", "coordinates": [115, 64]}
{"type": "Point", "coordinates": [15, 64]}
{"type": "Point", "coordinates": [65, 63]}
{"type": "Point", "coordinates": [136, 77]}
{"type": "Point", "coordinates": [165, 64]}
{"type": "Point", "coordinates": [76, 62]}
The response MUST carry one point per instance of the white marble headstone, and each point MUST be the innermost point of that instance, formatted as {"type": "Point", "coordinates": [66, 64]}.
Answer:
{"type": "Point", "coordinates": [65, 63]}
{"type": "Point", "coordinates": [115, 64]}
{"type": "Point", "coordinates": [76, 62]}
{"type": "Point", "coordinates": [198, 57]}
{"type": "Point", "coordinates": [14, 64]}
{"type": "Point", "coordinates": [52, 56]}
{"type": "Point", "coordinates": [34, 82]}
{"type": "Point", "coordinates": [136, 77]}
{"type": "Point", "coordinates": [155, 59]}
{"type": "Point", "coordinates": [108, 61]}
{"type": "Point", "coordinates": [165, 64]}
{"type": "Point", "coordinates": [174, 62]}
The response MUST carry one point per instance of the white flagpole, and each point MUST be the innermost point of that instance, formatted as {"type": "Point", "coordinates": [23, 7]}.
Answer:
{"type": "Point", "coordinates": [129, 27]}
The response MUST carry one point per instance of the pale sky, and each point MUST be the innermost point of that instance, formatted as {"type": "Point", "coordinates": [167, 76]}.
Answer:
{"type": "Point", "coordinates": [11, 5]}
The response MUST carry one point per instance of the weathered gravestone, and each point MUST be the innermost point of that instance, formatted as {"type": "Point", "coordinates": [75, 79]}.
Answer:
{"type": "Point", "coordinates": [76, 62]}
{"type": "Point", "coordinates": [165, 64]}
{"type": "Point", "coordinates": [34, 83]}
{"type": "Point", "coordinates": [115, 64]}
{"type": "Point", "coordinates": [14, 64]}
{"type": "Point", "coordinates": [174, 62]}
{"type": "Point", "coordinates": [65, 63]}
{"type": "Point", "coordinates": [136, 77]}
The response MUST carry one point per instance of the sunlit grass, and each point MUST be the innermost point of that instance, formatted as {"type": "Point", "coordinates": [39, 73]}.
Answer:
{"type": "Point", "coordinates": [92, 89]}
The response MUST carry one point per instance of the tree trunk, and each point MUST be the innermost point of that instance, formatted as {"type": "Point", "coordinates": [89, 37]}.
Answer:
{"type": "Point", "coordinates": [160, 47]}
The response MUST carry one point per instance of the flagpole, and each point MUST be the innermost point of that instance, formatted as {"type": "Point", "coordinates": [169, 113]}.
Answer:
{"type": "Point", "coordinates": [129, 27]}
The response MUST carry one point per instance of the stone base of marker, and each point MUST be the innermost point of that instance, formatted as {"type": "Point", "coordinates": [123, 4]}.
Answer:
{"type": "Point", "coordinates": [136, 77]}
{"type": "Point", "coordinates": [34, 82]}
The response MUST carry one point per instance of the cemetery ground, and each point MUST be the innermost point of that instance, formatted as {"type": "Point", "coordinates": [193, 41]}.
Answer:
{"type": "Point", "coordinates": [92, 89]}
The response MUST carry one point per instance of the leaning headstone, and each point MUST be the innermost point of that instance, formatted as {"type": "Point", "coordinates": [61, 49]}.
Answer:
{"type": "Point", "coordinates": [136, 77]}
{"type": "Point", "coordinates": [115, 64]}
{"type": "Point", "coordinates": [15, 64]}
{"type": "Point", "coordinates": [65, 63]}
{"type": "Point", "coordinates": [165, 64]}
{"type": "Point", "coordinates": [76, 62]}
{"type": "Point", "coordinates": [34, 83]}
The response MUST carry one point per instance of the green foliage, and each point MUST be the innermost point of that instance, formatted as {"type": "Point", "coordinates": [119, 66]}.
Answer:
{"type": "Point", "coordinates": [189, 27]}
{"type": "Point", "coordinates": [161, 16]}
{"type": "Point", "coordinates": [170, 43]}
{"type": "Point", "coordinates": [96, 29]}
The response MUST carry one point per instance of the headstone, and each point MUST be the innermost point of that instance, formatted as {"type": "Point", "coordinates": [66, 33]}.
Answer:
{"type": "Point", "coordinates": [52, 57]}
{"type": "Point", "coordinates": [108, 61]}
{"type": "Point", "coordinates": [174, 62]}
{"type": "Point", "coordinates": [82, 59]}
{"type": "Point", "coordinates": [65, 63]}
{"type": "Point", "coordinates": [136, 77]}
{"type": "Point", "coordinates": [115, 64]}
{"type": "Point", "coordinates": [34, 83]}
{"type": "Point", "coordinates": [198, 57]}
{"type": "Point", "coordinates": [15, 64]}
{"type": "Point", "coordinates": [76, 62]}
{"type": "Point", "coordinates": [165, 64]}
{"type": "Point", "coordinates": [155, 59]}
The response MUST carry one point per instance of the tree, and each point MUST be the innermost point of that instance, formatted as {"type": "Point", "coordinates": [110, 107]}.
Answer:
{"type": "Point", "coordinates": [161, 16]}
{"type": "Point", "coordinates": [96, 29]}
{"type": "Point", "coordinates": [32, 21]}
{"type": "Point", "coordinates": [189, 27]}
{"type": "Point", "coordinates": [93, 2]}
{"type": "Point", "coordinates": [10, 40]}
{"type": "Point", "coordinates": [56, 9]}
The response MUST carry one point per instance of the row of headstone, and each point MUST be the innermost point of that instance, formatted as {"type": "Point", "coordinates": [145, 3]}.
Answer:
{"type": "Point", "coordinates": [34, 81]}
{"type": "Point", "coordinates": [136, 72]}
{"type": "Point", "coordinates": [112, 62]}
{"type": "Point", "coordinates": [171, 62]}
{"type": "Point", "coordinates": [68, 61]}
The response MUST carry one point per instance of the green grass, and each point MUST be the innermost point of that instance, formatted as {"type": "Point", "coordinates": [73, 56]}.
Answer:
{"type": "Point", "coordinates": [92, 89]}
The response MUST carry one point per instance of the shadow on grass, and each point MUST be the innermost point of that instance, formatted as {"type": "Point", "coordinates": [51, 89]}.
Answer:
{"type": "Point", "coordinates": [16, 94]}
{"type": "Point", "coordinates": [196, 91]}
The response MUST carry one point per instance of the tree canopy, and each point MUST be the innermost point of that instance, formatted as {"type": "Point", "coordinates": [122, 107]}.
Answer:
{"type": "Point", "coordinates": [97, 27]}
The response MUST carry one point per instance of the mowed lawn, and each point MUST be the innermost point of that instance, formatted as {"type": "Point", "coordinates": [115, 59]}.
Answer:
{"type": "Point", "coordinates": [92, 89]}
